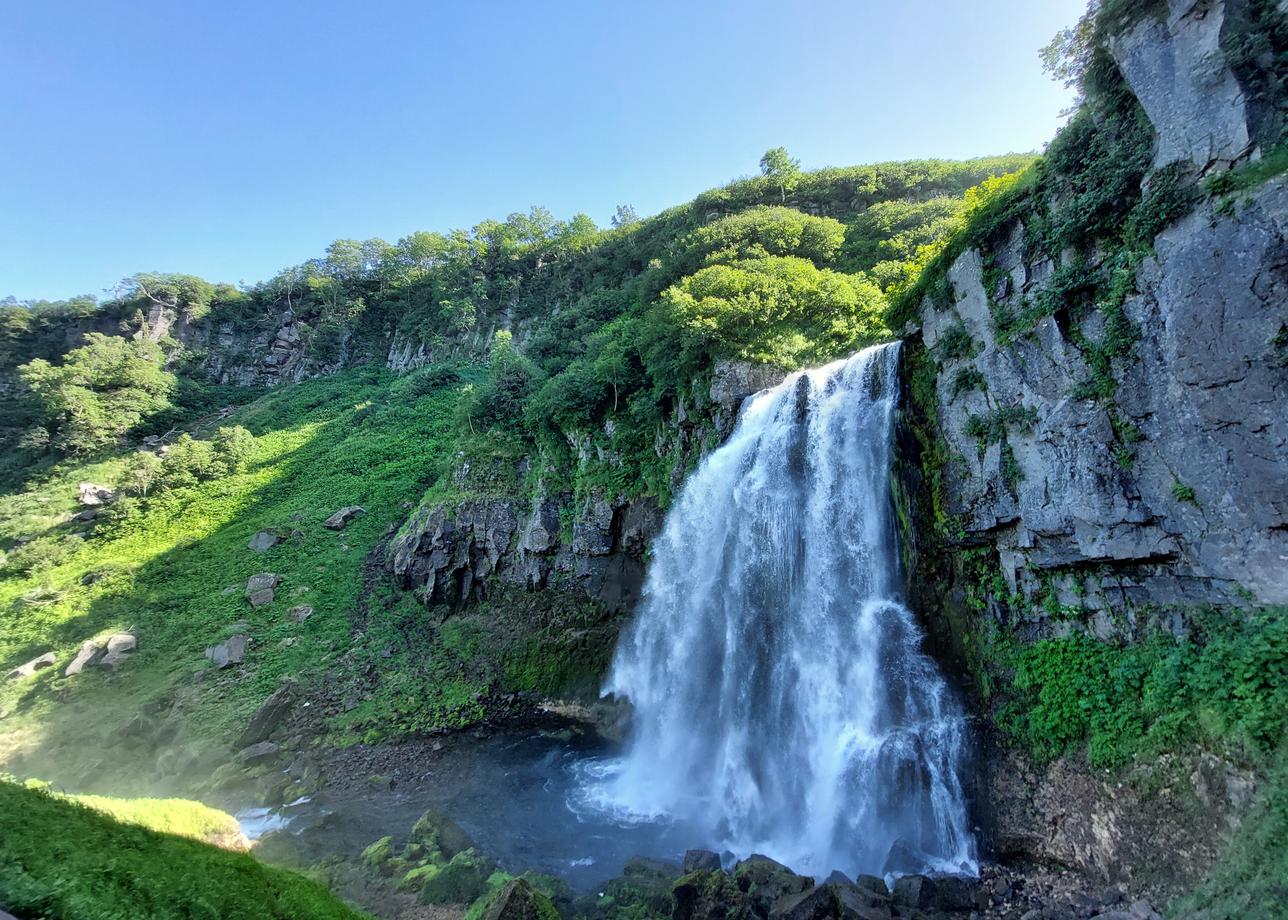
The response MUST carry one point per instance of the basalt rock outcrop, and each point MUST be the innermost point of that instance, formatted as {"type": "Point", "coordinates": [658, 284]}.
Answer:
{"type": "Point", "coordinates": [1198, 513]}
{"type": "Point", "coordinates": [594, 546]}
{"type": "Point", "coordinates": [1114, 487]}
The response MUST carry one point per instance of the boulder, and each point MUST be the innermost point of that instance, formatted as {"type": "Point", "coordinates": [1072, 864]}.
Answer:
{"type": "Point", "coordinates": [915, 891]}
{"type": "Point", "coordinates": [264, 541]}
{"type": "Point", "coordinates": [255, 754]}
{"type": "Point", "coordinates": [766, 880]}
{"type": "Point", "coordinates": [300, 613]}
{"type": "Point", "coordinates": [873, 883]}
{"type": "Point", "coordinates": [956, 892]}
{"type": "Point", "coordinates": [644, 887]}
{"type": "Point", "coordinates": [264, 581]}
{"type": "Point", "coordinates": [700, 861]}
{"type": "Point", "coordinates": [818, 903]}
{"type": "Point", "coordinates": [260, 589]}
{"type": "Point", "coordinates": [46, 660]}
{"type": "Point", "coordinates": [460, 881]}
{"type": "Point", "coordinates": [378, 853]}
{"type": "Point", "coordinates": [268, 716]}
{"type": "Point", "coordinates": [90, 652]}
{"type": "Point", "coordinates": [518, 900]}
{"type": "Point", "coordinates": [122, 643]}
{"type": "Point", "coordinates": [341, 518]}
{"type": "Point", "coordinates": [92, 495]}
{"type": "Point", "coordinates": [119, 648]}
{"type": "Point", "coordinates": [229, 652]}
{"type": "Point", "coordinates": [709, 895]}
{"type": "Point", "coordinates": [442, 837]}
{"type": "Point", "coordinates": [856, 903]}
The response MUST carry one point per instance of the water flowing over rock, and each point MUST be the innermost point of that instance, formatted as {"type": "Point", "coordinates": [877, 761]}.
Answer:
{"type": "Point", "coordinates": [781, 699]}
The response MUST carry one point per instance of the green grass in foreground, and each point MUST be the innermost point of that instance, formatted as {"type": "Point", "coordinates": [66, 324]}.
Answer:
{"type": "Point", "coordinates": [59, 859]}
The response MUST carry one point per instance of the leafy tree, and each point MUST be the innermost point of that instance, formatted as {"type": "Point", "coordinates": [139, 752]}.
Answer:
{"type": "Point", "coordinates": [781, 169]}
{"type": "Point", "coordinates": [234, 446]}
{"type": "Point", "coordinates": [774, 310]}
{"type": "Point", "coordinates": [512, 377]}
{"type": "Point", "coordinates": [624, 216]}
{"type": "Point", "coordinates": [143, 473]}
{"type": "Point", "coordinates": [101, 391]}
{"type": "Point", "coordinates": [186, 294]}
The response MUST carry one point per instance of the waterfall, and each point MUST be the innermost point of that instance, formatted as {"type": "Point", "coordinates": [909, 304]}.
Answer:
{"type": "Point", "coordinates": [782, 703]}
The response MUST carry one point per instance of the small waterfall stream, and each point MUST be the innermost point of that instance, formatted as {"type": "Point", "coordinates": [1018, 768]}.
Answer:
{"type": "Point", "coordinates": [782, 704]}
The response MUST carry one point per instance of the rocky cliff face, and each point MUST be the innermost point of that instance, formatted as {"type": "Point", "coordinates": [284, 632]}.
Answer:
{"type": "Point", "coordinates": [1118, 469]}
{"type": "Point", "coordinates": [595, 545]}
{"type": "Point", "coordinates": [1197, 512]}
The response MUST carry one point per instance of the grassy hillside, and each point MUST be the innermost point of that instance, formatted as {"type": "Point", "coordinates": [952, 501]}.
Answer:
{"type": "Point", "coordinates": [64, 860]}
{"type": "Point", "coordinates": [613, 330]}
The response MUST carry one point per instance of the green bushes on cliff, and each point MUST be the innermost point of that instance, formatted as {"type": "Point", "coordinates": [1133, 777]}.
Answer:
{"type": "Point", "coordinates": [1224, 685]}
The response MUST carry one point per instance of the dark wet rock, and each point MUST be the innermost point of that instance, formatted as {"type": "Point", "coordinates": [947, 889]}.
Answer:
{"type": "Point", "coordinates": [915, 891]}
{"type": "Point", "coordinates": [700, 861]}
{"type": "Point", "coordinates": [341, 519]}
{"type": "Point", "coordinates": [817, 903]}
{"type": "Point", "coordinates": [645, 885]}
{"type": "Point", "coordinates": [766, 881]}
{"type": "Point", "coordinates": [39, 663]}
{"type": "Point", "coordinates": [270, 714]}
{"type": "Point", "coordinates": [461, 881]}
{"type": "Point", "coordinates": [872, 883]}
{"type": "Point", "coordinates": [903, 859]}
{"type": "Point", "coordinates": [956, 892]}
{"type": "Point", "coordinates": [855, 903]}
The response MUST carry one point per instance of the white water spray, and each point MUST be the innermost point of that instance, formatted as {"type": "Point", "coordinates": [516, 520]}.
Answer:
{"type": "Point", "coordinates": [782, 702]}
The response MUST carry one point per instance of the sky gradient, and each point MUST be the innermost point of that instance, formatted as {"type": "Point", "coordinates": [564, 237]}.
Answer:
{"type": "Point", "coordinates": [231, 139]}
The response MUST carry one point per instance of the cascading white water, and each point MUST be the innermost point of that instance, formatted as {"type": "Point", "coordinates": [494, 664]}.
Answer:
{"type": "Point", "coordinates": [782, 704]}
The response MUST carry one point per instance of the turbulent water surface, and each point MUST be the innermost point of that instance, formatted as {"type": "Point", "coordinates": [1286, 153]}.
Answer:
{"type": "Point", "coordinates": [782, 702]}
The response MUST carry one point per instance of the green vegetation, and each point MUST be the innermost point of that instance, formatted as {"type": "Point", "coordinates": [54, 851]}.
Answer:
{"type": "Point", "coordinates": [180, 817]}
{"type": "Point", "coordinates": [100, 392]}
{"type": "Point", "coordinates": [171, 561]}
{"type": "Point", "coordinates": [1223, 686]}
{"type": "Point", "coordinates": [54, 862]}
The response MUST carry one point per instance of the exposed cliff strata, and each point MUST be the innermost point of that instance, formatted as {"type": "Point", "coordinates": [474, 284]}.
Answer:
{"type": "Point", "coordinates": [595, 545]}
{"type": "Point", "coordinates": [1206, 389]}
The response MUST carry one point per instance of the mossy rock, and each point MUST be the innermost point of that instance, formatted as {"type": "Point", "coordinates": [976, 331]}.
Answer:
{"type": "Point", "coordinates": [765, 880]}
{"type": "Point", "coordinates": [417, 877]}
{"type": "Point", "coordinates": [441, 837]}
{"type": "Point", "coordinates": [518, 900]}
{"type": "Point", "coordinates": [415, 852]}
{"type": "Point", "coordinates": [460, 881]}
{"type": "Point", "coordinates": [644, 888]}
{"type": "Point", "coordinates": [709, 894]}
{"type": "Point", "coordinates": [378, 853]}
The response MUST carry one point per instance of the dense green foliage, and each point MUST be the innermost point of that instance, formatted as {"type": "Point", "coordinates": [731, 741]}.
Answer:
{"type": "Point", "coordinates": [55, 862]}
{"type": "Point", "coordinates": [100, 392]}
{"type": "Point", "coordinates": [1224, 685]}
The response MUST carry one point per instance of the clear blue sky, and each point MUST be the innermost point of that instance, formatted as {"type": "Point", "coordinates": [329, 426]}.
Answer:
{"type": "Point", "coordinates": [231, 138]}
